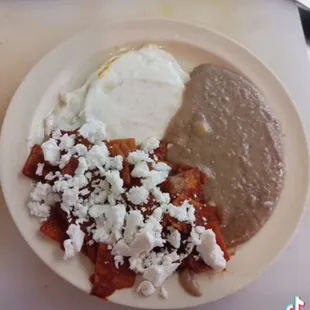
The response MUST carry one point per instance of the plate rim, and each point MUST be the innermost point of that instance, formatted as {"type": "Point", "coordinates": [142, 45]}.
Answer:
{"type": "Point", "coordinates": [177, 23]}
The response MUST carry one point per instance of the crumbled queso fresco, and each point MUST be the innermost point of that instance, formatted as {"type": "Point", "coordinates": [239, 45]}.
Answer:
{"type": "Point", "coordinates": [102, 203]}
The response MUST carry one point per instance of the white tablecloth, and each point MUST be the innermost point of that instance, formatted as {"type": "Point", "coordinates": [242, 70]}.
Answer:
{"type": "Point", "coordinates": [270, 28]}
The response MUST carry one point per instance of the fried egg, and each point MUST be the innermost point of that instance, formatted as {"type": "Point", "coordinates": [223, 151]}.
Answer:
{"type": "Point", "coordinates": [135, 95]}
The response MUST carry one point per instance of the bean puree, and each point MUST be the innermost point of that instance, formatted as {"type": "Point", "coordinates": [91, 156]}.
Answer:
{"type": "Point", "coordinates": [226, 128]}
{"type": "Point", "coordinates": [188, 281]}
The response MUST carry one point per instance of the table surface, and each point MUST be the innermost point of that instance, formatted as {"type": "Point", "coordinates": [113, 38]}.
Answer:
{"type": "Point", "coordinates": [269, 28]}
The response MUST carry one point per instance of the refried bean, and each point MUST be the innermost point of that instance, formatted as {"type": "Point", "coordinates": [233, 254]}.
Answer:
{"type": "Point", "coordinates": [226, 128]}
{"type": "Point", "coordinates": [188, 281]}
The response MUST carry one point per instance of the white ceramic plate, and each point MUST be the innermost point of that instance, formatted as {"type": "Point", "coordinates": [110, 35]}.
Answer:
{"type": "Point", "coordinates": [68, 65]}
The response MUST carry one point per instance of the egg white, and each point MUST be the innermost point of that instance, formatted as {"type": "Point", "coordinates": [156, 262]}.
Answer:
{"type": "Point", "coordinates": [135, 95]}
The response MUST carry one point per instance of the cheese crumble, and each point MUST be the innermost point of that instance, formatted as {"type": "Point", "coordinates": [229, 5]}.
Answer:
{"type": "Point", "coordinates": [51, 151]}
{"type": "Point", "coordinates": [95, 195]}
{"type": "Point", "coordinates": [138, 195]}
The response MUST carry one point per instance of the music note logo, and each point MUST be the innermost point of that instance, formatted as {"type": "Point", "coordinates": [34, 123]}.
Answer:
{"type": "Point", "coordinates": [298, 304]}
